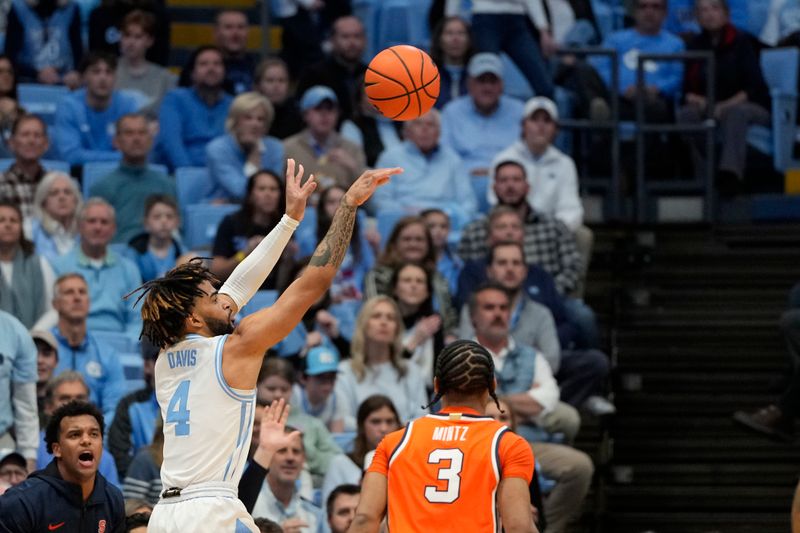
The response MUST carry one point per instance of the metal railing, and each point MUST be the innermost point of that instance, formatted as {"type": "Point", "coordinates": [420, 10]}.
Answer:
{"type": "Point", "coordinates": [642, 128]}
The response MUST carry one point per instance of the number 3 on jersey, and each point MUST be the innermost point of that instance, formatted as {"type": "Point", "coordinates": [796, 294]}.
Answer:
{"type": "Point", "coordinates": [451, 474]}
{"type": "Point", "coordinates": [177, 411]}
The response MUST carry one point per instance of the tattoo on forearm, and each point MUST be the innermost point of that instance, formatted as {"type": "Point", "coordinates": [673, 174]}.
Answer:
{"type": "Point", "coordinates": [332, 249]}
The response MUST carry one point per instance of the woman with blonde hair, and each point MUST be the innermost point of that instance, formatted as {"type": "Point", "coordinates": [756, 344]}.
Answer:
{"type": "Point", "coordinates": [376, 364]}
{"type": "Point", "coordinates": [245, 148]}
{"type": "Point", "coordinates": [54, 227]}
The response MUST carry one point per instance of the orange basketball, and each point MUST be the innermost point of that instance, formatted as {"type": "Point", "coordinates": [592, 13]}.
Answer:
{"type": "Point", "coordinates": [402, 82]}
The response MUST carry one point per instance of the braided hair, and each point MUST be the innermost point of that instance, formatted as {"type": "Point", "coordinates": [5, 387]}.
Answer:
{"type": "Point", "coordinates": [169, 300]}
{"type": "Point", "coordinates": [464, 367]}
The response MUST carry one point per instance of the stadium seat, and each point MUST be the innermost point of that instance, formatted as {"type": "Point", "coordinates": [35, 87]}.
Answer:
{"type": "Point", "coordinates": [201, 221]}
{"type": "Point", "coordinates": [193, 186]}
{"type": "Point", "coordinates": [41, 100]}
{"type": "Point", "coordinates": [133, 367]}
{"type": "Point", "coordinates": [344, 440]}
{"type": "Point", "coordinates": [386, 221]}
{"type": "Point", "coordinates": [119, 341]}
{"type": "Point", "coordinates": [780, 69]}
{"type": "Point", "coordinates": [260, 300]}
{"type": "Point", "coordinates": [367, 12]}
{"type": "Point", "coordinates": [95, 171]}
{"type": "Point", "coordinates": [48, 164]}
{"type": "Point", "coordinates": [398, 22]}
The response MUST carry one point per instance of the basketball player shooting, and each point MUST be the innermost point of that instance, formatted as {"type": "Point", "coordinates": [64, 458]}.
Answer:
{"type": "Point", "coordinates": [205, 374]}
{"type": "Point", "coordinates": [455, 470]}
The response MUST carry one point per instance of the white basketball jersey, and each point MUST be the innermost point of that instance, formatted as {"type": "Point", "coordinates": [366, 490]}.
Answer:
{"type": "Point", "coordinates": [207, 424]}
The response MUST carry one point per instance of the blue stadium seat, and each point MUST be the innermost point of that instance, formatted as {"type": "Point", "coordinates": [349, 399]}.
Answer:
{"type": "Point", "coordinates": [545, 483]}
{"type": "Point", "coordinates": [193, 186]}
{"type": "Point", "coordinates": [367, 12]}
{"type": "Point", "coordinates": [95, 171]}
{"type": "Point", "coordinates": [133, 367]}
{"type": "Point", "coordinates": [260, 300]}
{"type": "Point", "coordinates": [48, 164]}
{"type": "Point", "coordinates": [119, 341]}
{"type": "Point", "coordinates": [344, 440]}
{"type": "Point", "coordinates": [386, 221]}
{"type": "Point", "coordinates": [514, 82]}
{"type": "Point", "coordinates": [201, 221]}
{"type": "Point", "coordinates": [398, 22]}
{"type": "Point", "coordinates": [780, 69]}
{"type": "Point", "coordinates": [41, 100]}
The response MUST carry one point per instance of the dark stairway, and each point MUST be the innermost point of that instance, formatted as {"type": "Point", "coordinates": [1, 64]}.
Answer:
{"type": "Point", "coordinates": [692, 315]}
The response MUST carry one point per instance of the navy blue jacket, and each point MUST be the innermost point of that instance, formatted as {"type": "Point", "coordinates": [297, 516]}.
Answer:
{"type": "Point", "coordinates": [45, 500]}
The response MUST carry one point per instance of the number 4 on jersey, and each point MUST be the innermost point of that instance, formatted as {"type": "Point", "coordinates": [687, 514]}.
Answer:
{"type": "Point", "coordinates": [177, 411]}
{"type": "Point", "coordinates": [451, 474]}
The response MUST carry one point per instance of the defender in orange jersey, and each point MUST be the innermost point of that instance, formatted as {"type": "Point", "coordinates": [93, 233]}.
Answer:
{"type": "Point", "coordinates": [457, 470]}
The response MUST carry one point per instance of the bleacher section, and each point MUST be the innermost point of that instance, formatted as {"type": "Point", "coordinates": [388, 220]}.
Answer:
{"type": "Point", "coordinates": [692, 320]}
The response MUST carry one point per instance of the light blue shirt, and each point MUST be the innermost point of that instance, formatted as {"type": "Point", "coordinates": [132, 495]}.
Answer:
{"type": "Point", "coordinates": [187, 124]}
{"type": "Point", "coordinates": [108, 284]}
{"type": "Point", "coordinates": [666, 75]}
{"type": "Point", "coordinates": [477, 138]}
{"type": "Point", "coordinates": [100, 367]}
{"type": "Point", "coordinates": [18, 357]}
{"type": "Point", "coordinates": [434, 180]}
{"type": "Point", "coordinates": [226, 161]}
{"type": "Point", "coordinates": [82, 134]}
{"type": "Point", "coordinates": [51, 247]}
{"type": "Point", "coordinates": [268, 506]}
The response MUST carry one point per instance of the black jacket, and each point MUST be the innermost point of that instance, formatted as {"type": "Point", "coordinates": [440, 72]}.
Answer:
{"type": "Point", "coordinates": [45, 502]}
{"type": "Point", "coordinates": [737, 67]}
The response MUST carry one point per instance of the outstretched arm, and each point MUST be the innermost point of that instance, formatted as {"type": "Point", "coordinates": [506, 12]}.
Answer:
{"type": "Point", "coordinates": [250, 274]}
{"type": "Point", "coordinates": [264, 328]}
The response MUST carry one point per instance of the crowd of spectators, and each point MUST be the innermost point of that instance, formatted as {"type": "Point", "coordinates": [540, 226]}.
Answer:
{"type": "Point", "coordinates": [485, 236]}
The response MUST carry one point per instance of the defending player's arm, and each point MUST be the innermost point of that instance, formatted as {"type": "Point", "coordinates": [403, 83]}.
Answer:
{"type": "Point", "coordinates": [250, 274]}
{"type": "Point", "coordinates": [513, 493]}
{"type": "Point", "coordinates": [514, 503]}
{"type": "Point", "coordinates": [264, 328]}
{"type": "Point", "coordinates": [375, 489]}
{"type": "Point", "coordinates": [371, 505]}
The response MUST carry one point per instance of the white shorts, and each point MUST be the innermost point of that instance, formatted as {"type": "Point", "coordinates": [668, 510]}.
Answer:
{"type": "Point", "coordinates": [201, 510]}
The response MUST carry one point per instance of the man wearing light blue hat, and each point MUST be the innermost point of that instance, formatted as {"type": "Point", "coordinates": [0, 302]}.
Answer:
{"type": "Point", "coordinates": [319, 147]}
{"type": "Point", "coordinates": [480, 124]}
{"type": "Point", "coordinates": [314, 394]}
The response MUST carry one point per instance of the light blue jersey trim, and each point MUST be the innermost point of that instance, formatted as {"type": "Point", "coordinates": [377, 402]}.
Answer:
{"type": "Point", "coordinates": [241, 438]}
{"type": "Point", "coordinates": [221, 379]}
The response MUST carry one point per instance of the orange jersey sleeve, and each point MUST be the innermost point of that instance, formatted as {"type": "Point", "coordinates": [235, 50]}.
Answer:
{"type": "Point", "coordinates": [516, 457]}
{"type": "Point", "coordinates": [380, 461]}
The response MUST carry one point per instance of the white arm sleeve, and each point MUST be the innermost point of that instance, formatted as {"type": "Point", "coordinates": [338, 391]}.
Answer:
{"type": "Point", "coordinates": [26, 419]}
{"type": "Point", "coordinates": [248, 276]}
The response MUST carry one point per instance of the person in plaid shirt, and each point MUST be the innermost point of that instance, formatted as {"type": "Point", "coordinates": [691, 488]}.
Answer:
{"type": "Point", "coordinates": [547, 241]}
{"type": "Point", "coordinates": [28, 143]}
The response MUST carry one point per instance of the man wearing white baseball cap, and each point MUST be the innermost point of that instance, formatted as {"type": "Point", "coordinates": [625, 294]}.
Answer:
{"type": "Point", "coordinates": [552, 175]}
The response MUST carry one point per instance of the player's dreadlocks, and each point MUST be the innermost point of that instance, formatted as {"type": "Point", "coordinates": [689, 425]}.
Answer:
{"type": "Point", "coordinates": [169, 300]}
{"type": "Point", "coordinates": [464, 367]}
